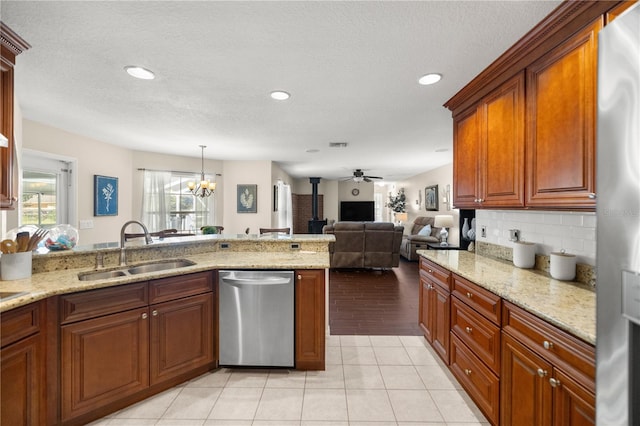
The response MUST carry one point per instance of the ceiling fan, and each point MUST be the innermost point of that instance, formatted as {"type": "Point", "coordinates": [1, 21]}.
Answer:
{"type": "Point", "coordinates": [359, 176]}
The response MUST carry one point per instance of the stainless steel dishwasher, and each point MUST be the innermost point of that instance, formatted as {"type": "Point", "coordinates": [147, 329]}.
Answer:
{"type": "Point", "coordinates": [256, 311]}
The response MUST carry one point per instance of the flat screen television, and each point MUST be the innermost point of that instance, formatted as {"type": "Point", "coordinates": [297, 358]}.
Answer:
{"type": "Point", "coordinates": [357, 211]}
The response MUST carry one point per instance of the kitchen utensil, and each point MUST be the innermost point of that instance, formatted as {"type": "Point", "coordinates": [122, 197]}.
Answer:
{"type": "Point", "coordinates": [8, 246]}
{"type": "Point", "coordinates": [36, 238]}
{"type": "Point", "coordinates": [22, 241]}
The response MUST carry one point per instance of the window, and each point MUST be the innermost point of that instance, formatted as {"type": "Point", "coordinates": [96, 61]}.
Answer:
{"type": "Point", "coordinates": [168, 204]}
{"type": "Point", "coordinates": [47, 190]}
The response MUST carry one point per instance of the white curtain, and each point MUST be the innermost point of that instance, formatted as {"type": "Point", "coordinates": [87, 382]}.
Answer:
{"type": "Point", "coordinates": [155, 202]}
{"type": "Point", "coordinates": [285, 211]}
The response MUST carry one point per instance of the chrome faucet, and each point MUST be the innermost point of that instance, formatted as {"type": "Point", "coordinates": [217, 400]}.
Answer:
{"type": "Point", "coordinates": [147, 238]}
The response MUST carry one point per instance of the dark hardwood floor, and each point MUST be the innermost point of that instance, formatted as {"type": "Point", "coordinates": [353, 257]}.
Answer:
{"type": "Point", "coordinates": [374, 302]}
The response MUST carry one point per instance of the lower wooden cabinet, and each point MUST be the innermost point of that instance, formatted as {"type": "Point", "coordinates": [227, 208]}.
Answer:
{"type": "Point", "coordinates": [310, 319]}
{"type": "Point", "coordinates": [103, 360]}
{"type": "Point", "coordinates": [434, 307]}
{"type": "Point", "coordinates": [22, 381]}
{"type": "Point", "coordinates": [548, 377]}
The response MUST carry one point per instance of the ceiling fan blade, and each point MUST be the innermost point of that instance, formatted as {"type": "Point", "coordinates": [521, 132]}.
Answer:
{"type": "Point", "coordinates": [374, 177]}
{"type": "Point", "coordinates": [366, 179]}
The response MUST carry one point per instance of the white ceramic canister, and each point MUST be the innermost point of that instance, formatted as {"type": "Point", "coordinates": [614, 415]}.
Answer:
{"type": "Point", "coordinates": [15, 266]}
{"type": "Point", "coordinates": [524, 254]}
{"type": "Point", "coordinates": [563, 266]}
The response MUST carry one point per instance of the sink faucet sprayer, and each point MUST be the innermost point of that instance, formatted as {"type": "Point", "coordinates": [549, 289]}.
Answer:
{"type": "Point", "coordinates": [147, 238]}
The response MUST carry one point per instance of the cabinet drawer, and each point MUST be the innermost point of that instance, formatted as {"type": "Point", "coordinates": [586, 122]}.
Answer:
{"type": "Point", "coordinates": [482, 385]}
{"type": "Point", "coordinates": [177, 287]}
{"type": "Point", "coordinates": [557, 346]}
{"type": "Point", "coordinates": [478, 333]}
{"type": "Point", "coordinates": [104, 301]}
{"type": "Point", "coordinates": [435, 273]}
{"type": "Point", "coordinates": [483, 301]}
{"type": "Point", "coordinates": [20, 323]}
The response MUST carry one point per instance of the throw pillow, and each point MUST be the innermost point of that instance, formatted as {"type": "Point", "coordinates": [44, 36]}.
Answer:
{"type": "Point", "coordinates": [425, 231]}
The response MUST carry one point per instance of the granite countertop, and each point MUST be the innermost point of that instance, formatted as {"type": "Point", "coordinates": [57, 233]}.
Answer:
{"type": "Point", "coordinates": [65, 279]}
{"type": "Point", "coordinates": [570, 306]}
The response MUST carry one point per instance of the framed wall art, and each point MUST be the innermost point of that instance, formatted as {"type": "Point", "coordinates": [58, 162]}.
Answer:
{"type": "Point", "coordinates": [105, 196]}
{"type": "Point", "coordinates": [247, 199]}
{"type": "Point", "coordinates": [431, 198]}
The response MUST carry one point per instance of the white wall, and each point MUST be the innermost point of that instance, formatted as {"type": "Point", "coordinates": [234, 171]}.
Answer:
{"type": "Point", "coordinates": [574, 232]}
{"type": "Point", "coordinates": [94, 158]}
{"type": "Point", "coordinates": [247, 172]}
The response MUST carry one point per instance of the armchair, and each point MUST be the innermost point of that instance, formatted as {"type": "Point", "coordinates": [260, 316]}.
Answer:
{"type": "Point", "coordinates": [416, 240]}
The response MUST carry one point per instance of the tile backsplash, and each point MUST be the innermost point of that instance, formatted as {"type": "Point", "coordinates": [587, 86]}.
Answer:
{"type": "Point", "coordinates": [575, 232]}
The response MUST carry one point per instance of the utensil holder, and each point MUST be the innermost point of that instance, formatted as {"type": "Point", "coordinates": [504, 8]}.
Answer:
{"type": "Point", "coordinates": [563, 266]}
{"type": "Point", "coordinates": [524, 254]}
{"type": "Point", "coordinates": [15, 266]}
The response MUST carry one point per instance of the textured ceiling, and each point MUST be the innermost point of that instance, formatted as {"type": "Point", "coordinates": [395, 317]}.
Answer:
{"type": "Point", "coordinates": [351, 68]}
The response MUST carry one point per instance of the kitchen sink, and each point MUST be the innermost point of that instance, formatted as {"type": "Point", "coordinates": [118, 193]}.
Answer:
{"type": "Point", "coordinates": [144, 268]}
{"type": "Point", "coordinates": [160, 266]}
{"type": "Point", "coordinates": [5, 295]}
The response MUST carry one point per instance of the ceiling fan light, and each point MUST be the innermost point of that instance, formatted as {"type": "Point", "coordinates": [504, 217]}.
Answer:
{"type": "Point", "coordinates": [428, 79]}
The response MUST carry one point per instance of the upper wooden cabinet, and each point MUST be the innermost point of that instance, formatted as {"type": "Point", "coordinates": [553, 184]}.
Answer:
{"type": "Point", "coordinates": [489, 150]}
{"type": "Point", "coordinates": [524, 128]}
{"type": "Point", "coordinates": [561, 114]}
{"type": "Point", "coordinates": [11, 45]}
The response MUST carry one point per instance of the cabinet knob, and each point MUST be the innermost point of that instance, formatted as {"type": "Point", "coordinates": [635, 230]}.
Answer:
{"type": "Point", "coordinates": [154, 313]}
{"type": "Point", "coordinates": [430, 271]}
{"type": "Point", "coordinates": [555, 383]}
{"type": "Point", "coordinates": [467, 371]}
{"type": "Point", "coordinates": [547, 344]}
{"type": "Point", "coordinates": [469, 295]}
{"type": "Point", "coordinates": [299, 276]}
{"type": "Point", "coordinates": [469, 330]}
{"type": "Point", "coordinates": [592, 196]}
{"type": "Point", "coordinates": [144, 316]}
{"type": "Point", "coordinates": [541, 372]}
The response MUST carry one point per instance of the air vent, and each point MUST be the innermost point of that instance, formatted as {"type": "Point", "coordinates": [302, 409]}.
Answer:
{"type": "Point", "coordinates": [338, 144]}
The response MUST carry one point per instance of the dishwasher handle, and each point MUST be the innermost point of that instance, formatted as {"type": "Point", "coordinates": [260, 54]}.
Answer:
{"type": "Point", "coordinates": [256, 281]}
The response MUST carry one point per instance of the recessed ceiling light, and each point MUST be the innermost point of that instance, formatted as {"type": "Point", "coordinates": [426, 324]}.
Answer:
{"type": "Point", "coordinates": [427, 79]}
{"type": "Point", "coordinates": [139, 72]}
{"type": "Point", "coordinates": [280, 95]}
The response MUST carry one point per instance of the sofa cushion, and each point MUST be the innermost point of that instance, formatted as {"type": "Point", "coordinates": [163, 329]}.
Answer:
{"type": "Point", "coordinates": [425, 231]}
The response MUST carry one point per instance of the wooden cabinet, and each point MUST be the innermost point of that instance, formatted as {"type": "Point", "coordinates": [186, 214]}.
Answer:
{"type": "Point", "coordinates": [11, 45]}
{"type": "Point", "coordinates": [22, 366]}
{"type": "Point", "coordinates": [475, 344]}
{"type": "Point", "coordinates": [310, 319]}
{"type": "Point", "coordinates": [489, 150]}
{"type": "Point", "coordinates": [117, 342]}
{"type": "Point", "coordinates": [434, 306]}
{"type": "Point", "coordinates": [548, 376]}
{"type": "Point", "coordinates": [561, 108]}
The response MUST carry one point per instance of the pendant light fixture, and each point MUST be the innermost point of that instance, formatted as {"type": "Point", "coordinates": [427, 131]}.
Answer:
{"type": "Point", "coordinates": [204, 188]}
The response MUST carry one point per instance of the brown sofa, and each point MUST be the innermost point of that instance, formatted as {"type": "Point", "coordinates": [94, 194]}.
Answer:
{"type": "Point", "coordinates": [413, 241]}
{"type": "Point", "coordinates": [364, 244]}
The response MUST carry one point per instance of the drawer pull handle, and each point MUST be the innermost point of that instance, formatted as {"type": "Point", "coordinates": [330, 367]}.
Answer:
{"type": "Point", "coordinates": [541, 372]}
{"type": "Point", "coordinates": [144, 316]}
{"type": "Point", "coordinates": [430, 271]}
{"type": "Point", "coordinates": [547, 344]}
{"type": "Point", "coordinates": [154, 313]}
{"type": "Point", "coordinates": [469, 295]}
{"type": "Point", "coordinates": [555, 383]}
{"type": "Point", "coordinates": [467, 371]}
{"type": "Point", "coordinates": [469, 330]}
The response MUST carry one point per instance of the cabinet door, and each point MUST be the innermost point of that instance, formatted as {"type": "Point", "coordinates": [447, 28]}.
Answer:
{"type": "Point", "coordinates": [424, 309]}
{"type": "Point", "coordinates": [573, 404]}
{"type": "Point", "coordinates": [181, 336]}
{"type": "Point", "coordinates": [441, 324]}
{"type": "Point", "coordinates": [103, 360]}
{"type": "Point", "coordinates": [525, 393]}
{"type": "Point", "coordinates": [466, 157]}
{"type": "Point", "coordinates": [502, 148]}
{"type": "Point", "coordinates": [561, 104]}
{"type": "Point", "coordinates": [310, 319]}
{"type": "Point", "coordinates": [22, 382]}
{"type": "Point", "coordinates": [6, 128]}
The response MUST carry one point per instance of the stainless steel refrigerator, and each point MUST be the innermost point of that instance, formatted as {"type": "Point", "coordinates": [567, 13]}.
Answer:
{"type": "Point", "coordinates": [618, 223]}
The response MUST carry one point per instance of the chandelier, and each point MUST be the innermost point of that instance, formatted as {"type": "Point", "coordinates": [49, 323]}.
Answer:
{"type": "Point", "coordinates": [204, 188]}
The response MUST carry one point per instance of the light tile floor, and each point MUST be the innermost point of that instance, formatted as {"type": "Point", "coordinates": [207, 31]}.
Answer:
{"type": "Point", "coordinates": [368, 381]}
